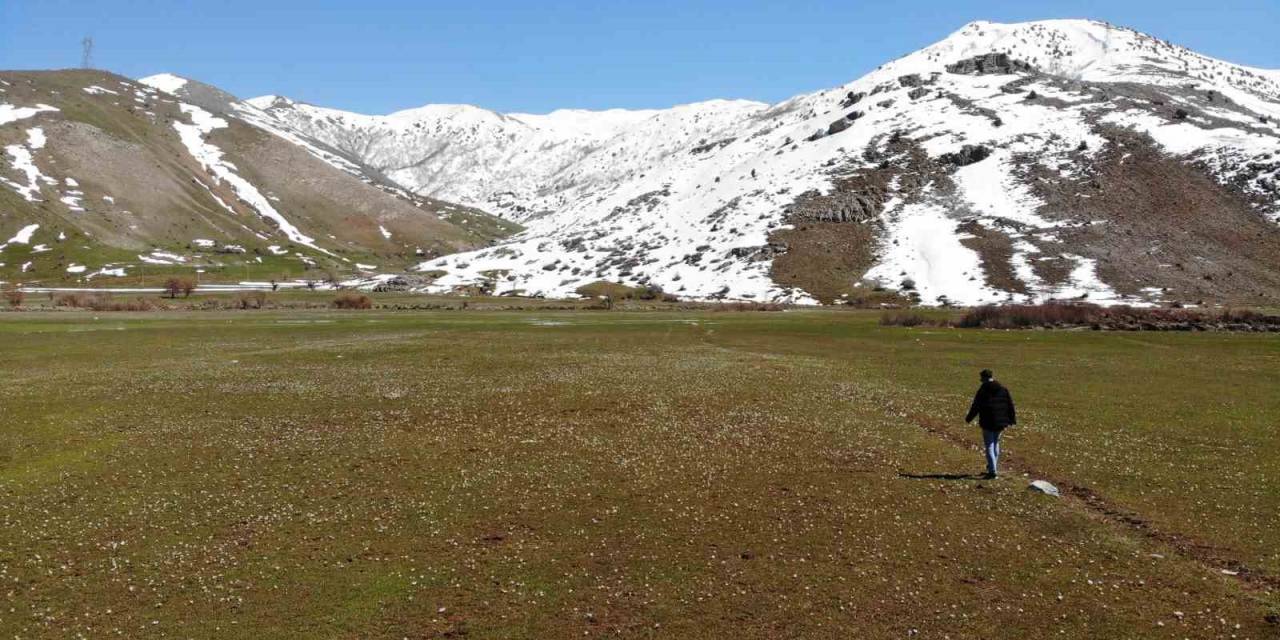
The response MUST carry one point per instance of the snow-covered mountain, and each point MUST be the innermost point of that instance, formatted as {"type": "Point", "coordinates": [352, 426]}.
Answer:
{"type": "Point", "coordinates": [1055, 159]}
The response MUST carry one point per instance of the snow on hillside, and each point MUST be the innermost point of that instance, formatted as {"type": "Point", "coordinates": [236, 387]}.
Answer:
{"type": "Point", "coordinates": [687, 197]}
{"type": "Point", "coordinates": [504, 161]}
{"type": "Point", "coordinates": [210, 156]}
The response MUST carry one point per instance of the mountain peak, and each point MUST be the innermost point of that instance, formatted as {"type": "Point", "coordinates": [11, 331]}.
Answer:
{"type": "Point", "coordinates": [1085, 50]}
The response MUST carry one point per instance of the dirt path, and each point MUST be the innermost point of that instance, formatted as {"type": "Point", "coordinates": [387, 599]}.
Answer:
{"type": "Point", "coordinates": [1213, 558]}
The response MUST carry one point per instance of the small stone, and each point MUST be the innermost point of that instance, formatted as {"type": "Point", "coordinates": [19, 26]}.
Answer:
{"type": "Point", "coordinates": [1045, 488]}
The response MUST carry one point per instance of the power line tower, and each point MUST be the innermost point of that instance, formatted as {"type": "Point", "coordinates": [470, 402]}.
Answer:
{"type": "Point", "coordinates": [86, 54]}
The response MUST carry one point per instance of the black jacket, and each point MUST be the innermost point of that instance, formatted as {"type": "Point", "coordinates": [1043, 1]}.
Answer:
{"type": "Point", "coordinates": [993, 406]}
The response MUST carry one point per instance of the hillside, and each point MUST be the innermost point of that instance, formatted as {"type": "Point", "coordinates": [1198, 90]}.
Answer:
{"type": "Point", "coordinates": [1056, 159]}
{"type": "Point", "coordinates": [103, 177]}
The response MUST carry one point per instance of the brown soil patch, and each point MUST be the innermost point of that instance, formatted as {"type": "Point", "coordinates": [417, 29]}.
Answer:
{"type": "Point", "coordinates": [1158, 221]}
{"type": "Point", "coordinates": [825, 259]}
{"type": "Point", "coordinates": [995, 249]}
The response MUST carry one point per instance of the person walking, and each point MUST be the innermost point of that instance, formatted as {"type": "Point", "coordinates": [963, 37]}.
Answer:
{"type": "Point", "coordinates": [993, 407]}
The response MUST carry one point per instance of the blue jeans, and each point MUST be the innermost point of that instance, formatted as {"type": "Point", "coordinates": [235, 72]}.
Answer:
{"type": "Point", "coordinates": [991, 445]}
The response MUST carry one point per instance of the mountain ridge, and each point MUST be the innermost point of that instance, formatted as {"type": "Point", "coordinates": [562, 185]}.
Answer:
{"type": "Point", "coordinates": [105, 177]}
{"type": "Point", "coordinates": [646, 205]}
{"type": "Point", "coordinates": [1061, 159]}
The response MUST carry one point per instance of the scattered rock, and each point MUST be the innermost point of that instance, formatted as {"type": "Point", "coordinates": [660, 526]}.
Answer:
{"type": "Point", "coordinates": [404, 283]}
{"type": "Point", "coordinates": [852, 98]}
{"type": "Point", "coordinates": [911, 80]}
{"type": "Point", "coordinates": [711, 146]}
{"type": "Point", "coordinates": [967, 155]}
{"type": "Point", "coordinates": [843, 123]}
{"type": "Point", "coordinates": [758, 254]}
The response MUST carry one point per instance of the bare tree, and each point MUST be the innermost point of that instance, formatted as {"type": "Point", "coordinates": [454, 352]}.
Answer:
{"type": "Point", "coordinates": [14, 296]}
{"type": "Point", "coordinates": [175, 285]}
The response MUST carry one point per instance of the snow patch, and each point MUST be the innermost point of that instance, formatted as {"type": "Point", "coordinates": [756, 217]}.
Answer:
{"type": "Point", "coordinates": [10, 113]}
{"type": "Point", "coordinates": [36, 138]}
{"type": "Point", "coordinates": [23, 236]}
{"type": "Point", "coordinates": [166, 82]}
{"type": "Point", "coordinates": [923, 246]}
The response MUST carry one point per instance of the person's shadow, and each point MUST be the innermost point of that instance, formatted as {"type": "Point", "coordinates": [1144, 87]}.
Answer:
{"type": "Point", "coordinates": [941, 476]}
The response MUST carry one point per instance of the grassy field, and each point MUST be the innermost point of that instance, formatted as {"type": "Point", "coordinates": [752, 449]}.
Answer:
{"type": "Point", "coordinates": [593, 474]}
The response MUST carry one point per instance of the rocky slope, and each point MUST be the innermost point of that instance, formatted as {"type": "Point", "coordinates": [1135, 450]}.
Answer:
{"type": "Point", "coordinates": [102, 177]}
{"type": "Point", "coordinates": [1056, 159]}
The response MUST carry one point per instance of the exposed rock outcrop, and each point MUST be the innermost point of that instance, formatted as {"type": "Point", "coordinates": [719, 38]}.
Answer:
{"type": "Point", "coordinates": [967, 155]}
{"type": "Point", "coordinates": [990, 63]}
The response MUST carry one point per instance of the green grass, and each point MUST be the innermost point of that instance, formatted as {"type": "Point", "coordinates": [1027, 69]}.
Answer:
{"type": "Point", "coordinates": [570, 474]}
{"type": "Point", "coordinates": [49, 268]}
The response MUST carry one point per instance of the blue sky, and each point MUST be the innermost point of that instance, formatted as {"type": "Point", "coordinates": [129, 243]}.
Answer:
{"type": "Point", "coordinates": [535, 56]}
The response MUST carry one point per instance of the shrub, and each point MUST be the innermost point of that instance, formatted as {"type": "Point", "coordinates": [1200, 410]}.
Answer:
{"type": "Point", "coordinates": [904, 319]}
{"type": "Point", "coordinates": [106, 303]}
{"type": "Point", "coordinates": [15, 297]}
{"type": "Point", "coordinates": [749, 306]}
{"type": "Point", "coordinates": [352, 301]}
{"type": "Point", "coordinates": [252, 300]}
{"type": "Point", "coordinates": [1059, 314]}
{"type": "Point", "coordinates": [1021, 316]}
{"type": "Point", "coordinates": [652, 292]}
{"type": "Point", "coordinates": [73, 299]}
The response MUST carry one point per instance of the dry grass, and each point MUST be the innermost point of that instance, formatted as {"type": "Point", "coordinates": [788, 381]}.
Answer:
{"type": "Point", "coordinates": [105, 302]}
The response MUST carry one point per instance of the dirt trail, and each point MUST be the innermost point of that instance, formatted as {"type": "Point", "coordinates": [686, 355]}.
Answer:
{"type": "Point", "coordinates": [1212, 557]}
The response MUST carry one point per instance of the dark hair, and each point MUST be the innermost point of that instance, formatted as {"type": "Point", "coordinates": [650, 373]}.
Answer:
{"type": "Point", "coordinates": [986, 374]}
